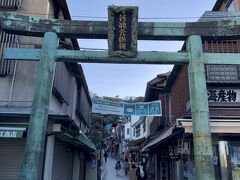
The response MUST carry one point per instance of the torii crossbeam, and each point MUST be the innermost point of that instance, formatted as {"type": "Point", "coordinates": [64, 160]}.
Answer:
{"type": "Point", "coordinates": [36, 26]}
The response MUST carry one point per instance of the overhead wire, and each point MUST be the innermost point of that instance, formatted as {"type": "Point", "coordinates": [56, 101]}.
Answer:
{"type": "Point", "coordinates": [179, 74]}
{"type": "Point", "coordinates": [149, 18]}
{"type": "Point", "coordinates": [103, 49]}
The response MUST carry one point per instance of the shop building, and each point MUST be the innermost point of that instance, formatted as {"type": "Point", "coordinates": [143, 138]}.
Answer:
{"type": "Point", "coordinates": [68, 150]}
{"type": "Point", "coordinates": [174, 148]}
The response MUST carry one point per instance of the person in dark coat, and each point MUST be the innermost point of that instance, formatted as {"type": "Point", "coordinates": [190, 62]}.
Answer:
{"type": "Point", "coordinates": [118, 167]}
{"type": "Point", "coordinates": [105, 155]}
{"type": "Point", "coordinates": [141, 172]}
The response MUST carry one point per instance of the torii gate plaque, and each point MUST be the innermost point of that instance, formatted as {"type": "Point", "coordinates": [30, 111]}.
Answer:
{"type": "Point", "coordinates": [122, 31]}
{"type": "Point", "coordinates": [48, 55]}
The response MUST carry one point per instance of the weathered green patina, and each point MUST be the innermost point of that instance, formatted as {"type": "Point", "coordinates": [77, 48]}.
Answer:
{"type": "Point", "coordinates": [99, 56]}
{"type": "Point", "coordinates": [33, 154]}
{"type": "Point", "coordinates": [199, 107]}
{"type": "Point", "coordinates": [34, 26]}
{"type": "Point", "coordinates": [143, 57]}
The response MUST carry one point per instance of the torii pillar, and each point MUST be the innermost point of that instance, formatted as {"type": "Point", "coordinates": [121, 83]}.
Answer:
{"type": "Point", "coordinates": [200, 112]}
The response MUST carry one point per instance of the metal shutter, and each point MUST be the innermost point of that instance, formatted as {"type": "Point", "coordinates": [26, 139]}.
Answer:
{"type": "Point", "coordinates": [62, 161]}
{"type": "Point", "coordinates": [82, 166]}
{"type": "Point", "coordinates": [10, 4]}
{"type": "Point", "coordinates": [11, 154]}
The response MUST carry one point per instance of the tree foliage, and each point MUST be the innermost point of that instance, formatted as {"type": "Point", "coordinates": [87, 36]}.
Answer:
{"type": "Point", "coordinates": [98, 131]}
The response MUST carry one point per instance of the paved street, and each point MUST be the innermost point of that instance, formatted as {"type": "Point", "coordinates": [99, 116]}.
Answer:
{"type": "Point", "coordinates": [110, 172]}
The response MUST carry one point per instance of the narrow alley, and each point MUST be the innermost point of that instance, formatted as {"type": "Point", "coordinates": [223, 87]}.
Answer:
{"type": "Point", "coordinates": [110, 172]}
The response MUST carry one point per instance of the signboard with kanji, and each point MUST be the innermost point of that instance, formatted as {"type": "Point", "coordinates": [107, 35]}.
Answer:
{"type": "Point", "coordinates": [229, 95]}
{"type": "Point", "coordinates": [122, 31]}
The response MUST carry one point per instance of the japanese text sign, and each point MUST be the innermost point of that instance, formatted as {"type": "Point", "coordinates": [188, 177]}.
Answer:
{"type": "Point", "coordinates": [122, 31]}
{"type": "Point", "coordinates": [122, 108]}
{"type": "Point", "coordinates": [224, 95]}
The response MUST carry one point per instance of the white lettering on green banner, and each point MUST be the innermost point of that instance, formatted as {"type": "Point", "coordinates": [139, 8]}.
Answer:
{"type": "Point", "coordinates": [9, 132]}
{"type": "Point", "coordinates": [122, 108]}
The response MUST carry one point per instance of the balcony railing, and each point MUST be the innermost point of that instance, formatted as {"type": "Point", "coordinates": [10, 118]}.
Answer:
{"type": "Point", "coordinates": [222, 73]}
{"type": "Point", "coordinates": [10, 4]}
{"type": "Point", "coordinates": [7, 41]}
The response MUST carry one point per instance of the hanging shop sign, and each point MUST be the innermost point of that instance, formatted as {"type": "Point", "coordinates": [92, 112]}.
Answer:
{"type": "Point", "coordinates": [121, 108]}
{"type": "Point", "coordinates": [122, 31]}
{"type": "Point", "coordinates": [183, 146]}
{"type": "Point", "coordinates": [172, 152]}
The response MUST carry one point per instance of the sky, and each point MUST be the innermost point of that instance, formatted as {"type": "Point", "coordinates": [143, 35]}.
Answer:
{"type": "Point", "coordinates": [125, 80]}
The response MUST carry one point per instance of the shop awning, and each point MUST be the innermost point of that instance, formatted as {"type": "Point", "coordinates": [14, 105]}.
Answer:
{"type": "Point", "coordinates": [11, 131]}
{"type": "Point", "coordinates": [83, 139]}
{"type": "Point", "coordinates": [136, 144]}
{"type": "Point", "coordinates": [161, 137]}
{"type": "Point", "coordinates": [217, 125]}
{"type": "Point", "coordinates": [73, 136]}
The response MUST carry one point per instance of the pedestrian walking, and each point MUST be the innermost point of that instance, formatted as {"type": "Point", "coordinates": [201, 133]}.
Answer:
{"type": "Point", "coordinates": [118, 168]}
{"type": "Point", "coordinates": [132, 172]}
{"type": "Point", "coordinates": [141, 172]}
{"type": "Point", "coordinates": [126, 166]}
{"type": "Point", "coordinates": [105, 155]}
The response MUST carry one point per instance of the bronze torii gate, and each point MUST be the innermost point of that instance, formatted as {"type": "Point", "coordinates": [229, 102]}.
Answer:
{"type": "Point", "coordinates": [51, 29]}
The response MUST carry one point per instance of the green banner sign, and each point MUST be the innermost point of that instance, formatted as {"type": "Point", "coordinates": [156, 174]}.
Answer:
{"type": "Point", "coordinates": [122, 108]}
{"type": "Point", "coordinates": [11, 132]}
